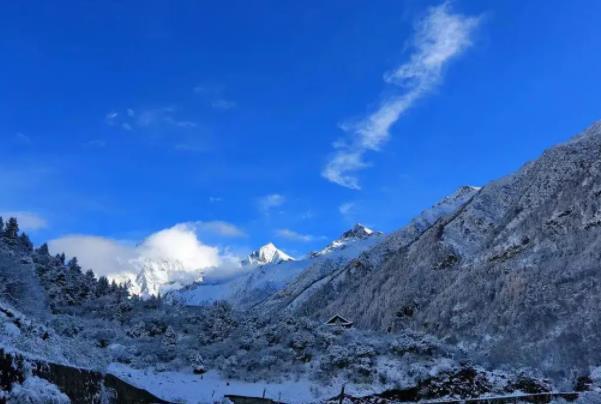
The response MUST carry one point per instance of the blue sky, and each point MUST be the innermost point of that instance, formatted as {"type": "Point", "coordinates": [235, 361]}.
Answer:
{"type": "Point", "coordinates": [120, 119]}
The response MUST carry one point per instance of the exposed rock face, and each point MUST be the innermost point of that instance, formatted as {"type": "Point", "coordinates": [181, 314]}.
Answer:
{"type": "Point", "coordinates": [514, 272]}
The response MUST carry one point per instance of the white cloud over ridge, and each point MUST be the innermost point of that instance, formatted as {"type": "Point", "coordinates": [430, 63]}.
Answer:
{"type": "Point", "coordinates": [121, 259]}
{"type": "Point", "coordinates": [28, 221]}
{"type": "Point", "coordinates": [440, 36]}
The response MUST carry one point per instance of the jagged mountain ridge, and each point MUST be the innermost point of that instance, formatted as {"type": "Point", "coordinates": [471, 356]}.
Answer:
{"type": "Point", "coordinates": [512, 274]}
{"type": "Point", "coordinates": [158, 276]}
{"type": "Point", "coordinates": [298, 292]}
{"type": "Point", "coordinates": [358, 232]}
{"type": "Point", "coordinates": [262, 281]}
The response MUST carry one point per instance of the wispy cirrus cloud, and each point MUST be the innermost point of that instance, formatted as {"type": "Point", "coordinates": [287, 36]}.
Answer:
{"type": "Point", "coordinates": [269, 202]}
{"type": "Point", "coordinates": [96, 143]}
{"type": "Point", "coordinates": [131, 119]}
{"type": "Point", "coordinates": [346, 208]}
{"type": "Point", "coordinates": [215, 96]}
{"type": "Point", "coordinates": [439, 37]}
{"type": "Point", "coordinates": [220, 228]}
{"type": "Point", "coordinates": [23, 139]}
{"type": "Point", "coordinates": [296, 236]}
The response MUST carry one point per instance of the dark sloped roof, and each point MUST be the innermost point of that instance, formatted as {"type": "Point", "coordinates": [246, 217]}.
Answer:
{"type": "Point", "coordinates": [338, 319]}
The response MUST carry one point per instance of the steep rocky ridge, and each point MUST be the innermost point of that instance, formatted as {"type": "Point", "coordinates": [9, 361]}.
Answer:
{"type": "Point", "coordinates": [292, 299]}
{"type": "Point", "coordinates": [514, 273]}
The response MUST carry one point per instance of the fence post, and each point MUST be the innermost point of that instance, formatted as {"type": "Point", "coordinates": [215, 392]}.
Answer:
{"type": "Point", "coordinates": [341, 395]}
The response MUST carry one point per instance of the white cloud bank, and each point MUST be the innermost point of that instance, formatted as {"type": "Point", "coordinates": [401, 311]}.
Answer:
{"type": "Point", "coordinates": [28, 221]}
{"type": "Point", "coordinates": [177, 248]}
{"type": "Point", "coordinates": [439, 36]}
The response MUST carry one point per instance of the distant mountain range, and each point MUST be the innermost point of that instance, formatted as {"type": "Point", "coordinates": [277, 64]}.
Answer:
{"type": "Point", "coordinates": [511, 270]}
{"type": "Point", "coordinates": [504, 277]}
{"type": "Point", "coordinates": [270, 270]}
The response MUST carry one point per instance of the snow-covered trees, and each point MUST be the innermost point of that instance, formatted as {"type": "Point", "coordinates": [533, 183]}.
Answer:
{"type": "Point", "coordinates": [219, 323]}
{"type": "Point", "coordinates": [98, 320]}
{"type": "Point", "coordinates": [43, 250]}
{"type": "Point", "coordinates": [9, 233]}
{"type": "Point", "coordinates": [11, 229]}
{"type": "Point", "coordinates": [198, 363]}
{"type": "Point", "coordinates": [102, 287]}
{"type": "Point", "coordinates": [169, 337]}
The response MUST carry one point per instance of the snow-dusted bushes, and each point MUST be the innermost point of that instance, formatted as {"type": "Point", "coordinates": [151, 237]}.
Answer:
{"type": "Point", "coordinates": [92, 323]}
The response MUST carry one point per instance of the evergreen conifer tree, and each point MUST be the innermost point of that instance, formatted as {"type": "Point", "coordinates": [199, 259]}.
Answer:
{"type": "Point", "coordinates": [102, 288]}
{"type": "Point", "coordinates": [26, 242]}
{"type": "Point", "coordinates": [74, 265]}
{"type": "Point", "coordinates": [11, 229]}
{"type": "Point", "coordinates": [43, 250]}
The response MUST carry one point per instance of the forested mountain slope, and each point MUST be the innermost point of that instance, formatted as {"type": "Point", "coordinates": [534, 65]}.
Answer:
{"type": "Point", "coordinates": [291, 299]}
{"type": "Point", "coordinates": [514, 274]}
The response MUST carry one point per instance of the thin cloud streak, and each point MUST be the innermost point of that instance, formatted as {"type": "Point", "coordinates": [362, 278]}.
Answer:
{"type": "Point", "coordinates": [271, 201]}
{"type": "Point", "coordinates": [219, 228]}
{"type": "Point", "coordinates": [346, 208]}
{"type": "Point", "coordinates": [295, 236]}
{"type": "Point", "coordinates": [147, 118]}
{"type": "Point", "coordinates": [439, 37]}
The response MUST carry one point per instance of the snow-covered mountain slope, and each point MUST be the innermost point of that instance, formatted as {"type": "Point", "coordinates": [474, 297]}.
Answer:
{"type": "Point", "coordinates": [349, 237]}
{"type": "Point", "coordinates": [78, 328]}
{"type": "Point", "coordinates": [157, 276]}
{"type": "Point", "coordinates": [249, 288]}
{"type": "Point", "coordinates": [267, 254]}
{"type": "Point", "coordinates": [514, 273]}
{"type": "Point", "coordinates": [330, 274]}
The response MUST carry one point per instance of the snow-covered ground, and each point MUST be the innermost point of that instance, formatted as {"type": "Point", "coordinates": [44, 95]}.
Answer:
{"type": "Point", "coordinates": [212, 387]}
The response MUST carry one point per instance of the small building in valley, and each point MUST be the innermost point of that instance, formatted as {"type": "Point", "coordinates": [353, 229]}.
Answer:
{"type": "Point", "coordinates": [338, 320]}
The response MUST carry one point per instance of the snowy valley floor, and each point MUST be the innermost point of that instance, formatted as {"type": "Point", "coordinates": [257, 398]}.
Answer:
{"type": "Point", "coordinates": [210, 387]}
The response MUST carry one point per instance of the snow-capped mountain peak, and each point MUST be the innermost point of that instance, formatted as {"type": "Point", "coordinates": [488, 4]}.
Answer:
{"type": "Point", "coordinates": [267, 254]}
{"type": "Point", "coordinates": [154, 276]}
{"type": "Point", "coordinates": [358, 232]}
